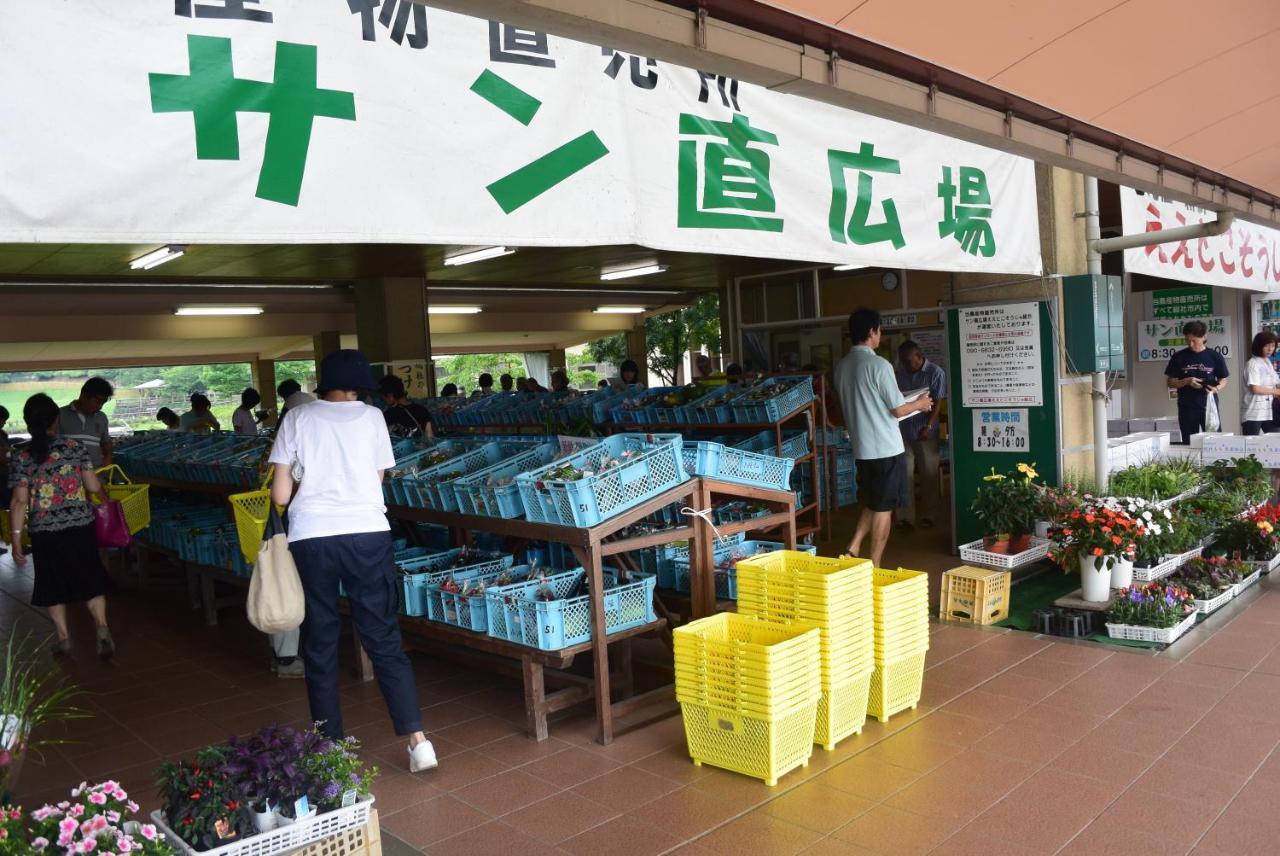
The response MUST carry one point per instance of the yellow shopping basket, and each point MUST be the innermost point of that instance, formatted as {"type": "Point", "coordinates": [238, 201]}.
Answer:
{"type": "Point", "coordinates": [134, 498]}
{"type": "Point", "coordinates": [251, 510]}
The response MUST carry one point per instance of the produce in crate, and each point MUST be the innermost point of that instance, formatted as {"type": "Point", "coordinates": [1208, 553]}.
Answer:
{"type": "Point", "coordinates": [762, 393]}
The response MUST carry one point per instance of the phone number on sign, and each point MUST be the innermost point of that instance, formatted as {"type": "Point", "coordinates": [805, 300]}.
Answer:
{"type": "Point", "coordinates": [1166, 353]}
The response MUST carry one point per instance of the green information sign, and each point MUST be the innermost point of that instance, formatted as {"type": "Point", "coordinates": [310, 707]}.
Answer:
{"type": "Point", "coordinates": [1194, 302]}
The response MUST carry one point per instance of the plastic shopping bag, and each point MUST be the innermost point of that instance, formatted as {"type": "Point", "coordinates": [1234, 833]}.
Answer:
{"type": "Point", "coordinates": [1212, 422]}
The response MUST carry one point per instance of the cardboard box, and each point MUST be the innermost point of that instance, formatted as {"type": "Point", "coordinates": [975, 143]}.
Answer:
{"type": "Point", "coordinates": [1222, 445]}
{"type": "Point", "coordinates": [1161, 440]}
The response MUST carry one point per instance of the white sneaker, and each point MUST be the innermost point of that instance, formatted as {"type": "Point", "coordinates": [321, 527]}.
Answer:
{"type": "Point", "coordinates": [422, 757]}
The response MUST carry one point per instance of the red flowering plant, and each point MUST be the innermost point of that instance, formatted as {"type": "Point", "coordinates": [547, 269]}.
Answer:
{"type": "Point", "coordinates": [201, 804]}
{"type": "Point", "coordinates": [1100, 530]}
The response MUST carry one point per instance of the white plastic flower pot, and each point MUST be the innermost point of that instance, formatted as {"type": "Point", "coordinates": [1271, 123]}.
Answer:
{"type": "Point", "coordinates": [1042, 528]}
{"type": "Point", "coordinates": [264, 821]}
{"type": "Point", "coordinates": [1095, 579]}
{"type": "Point", "coordinates": [1122, 573]}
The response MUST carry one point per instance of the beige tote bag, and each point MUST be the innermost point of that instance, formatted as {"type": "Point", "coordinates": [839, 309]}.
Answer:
{"type": "Point", "coordinates": [276, 603]}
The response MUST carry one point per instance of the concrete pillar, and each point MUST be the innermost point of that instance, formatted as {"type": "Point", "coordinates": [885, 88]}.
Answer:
{"type": "Point", "coordinates": [323, 344]}
{"type": "Point", "coordinates": [558, 359]}
{"type": "Point", "coordinates": [392, 324]}
{"type": "Point", "coordinates": [263, 370]}
{"type": "Point", "coordinates": [728, 334]}
{"type": "Point", "coordinates": [638, 349]}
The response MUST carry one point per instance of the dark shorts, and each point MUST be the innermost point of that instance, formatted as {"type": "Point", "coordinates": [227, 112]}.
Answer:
{"type": "Point", "coordinates": [882, 483]}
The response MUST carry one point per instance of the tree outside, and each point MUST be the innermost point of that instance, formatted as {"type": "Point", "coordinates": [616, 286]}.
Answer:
{"type": "Point", "coordinates": [669, 337]}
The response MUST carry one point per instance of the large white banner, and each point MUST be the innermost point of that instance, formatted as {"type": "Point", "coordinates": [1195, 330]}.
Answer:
{"type": "Point", "coordinates": [1243, 257]}
{"type": "Point", "coordinates": [324, 121]}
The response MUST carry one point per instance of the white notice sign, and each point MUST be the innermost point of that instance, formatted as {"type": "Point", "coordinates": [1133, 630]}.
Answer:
{"type": "Point", "coordinates": [1000, 431]}
{"type": "Point", "coordinates": [1000, 355]}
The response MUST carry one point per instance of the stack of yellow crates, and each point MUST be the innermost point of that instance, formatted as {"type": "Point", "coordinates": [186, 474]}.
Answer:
{"type": "Point", "coordinates": [834, 595]}
{"type": "Point", "coordinates": [748, 690]}
{"type": "Point", "coordinates": [901, 641]}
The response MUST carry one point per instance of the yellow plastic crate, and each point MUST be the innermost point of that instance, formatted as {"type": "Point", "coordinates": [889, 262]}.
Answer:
{"type": "Point", "coordinates": [752, 640]}
{"type": "Point", "coordinates": [800, 565]}
{"type": "Point", "coordinates": [134, 498]}
{"type": "Point", "coordinates": [8, 530]}
{"type": "Point", "coordinates": [251, 511]}
{"type": "Point", "coordinates": [975, 595]}
{"type": "Point", "coordinates": [842, 710]}
{"type": "Point", "coordinates": [761, 747]}
{"type": "Point", "coordinates": [896, 686]}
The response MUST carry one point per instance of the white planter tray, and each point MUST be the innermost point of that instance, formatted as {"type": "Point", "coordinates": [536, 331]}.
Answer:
{"type": "Point", "coordinates": [1267, 566]}
{"type": "Point", "coordinates": [1156, 572]}
{"type": "Point", "coordinates": [1168, 503]}
{"type": "Point", "coordinates": [279, 840]}
{"type": "Point", "coordinates": [1248, 581]}
{"type": "Point", "coordinates": [975, 555]}
{"type": "Point", "coordinates": [1205, 607]}
{"type": "Point", "coordinates": [1160, 635]}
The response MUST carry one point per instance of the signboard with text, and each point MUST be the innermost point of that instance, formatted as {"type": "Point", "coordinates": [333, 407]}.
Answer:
{"type": "Point", "coordinates": [1160, 339]}
{"type": "Point", "coordinates": [1001, 431]}
{"type": "Point", "coordinates": [1000, 355]}
{"type": "Point", "coordinates": [335, 121]}
{"type": "Point", "coordinates": [1194, 302]}
{"type": "Point", "coordinates": [1243, 257]}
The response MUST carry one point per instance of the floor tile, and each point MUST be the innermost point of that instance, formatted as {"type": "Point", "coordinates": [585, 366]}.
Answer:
{"type": "Point", "coordinates": [893, 831]}
{"type": "Point", "coordinates": [626, 787]}
{"type": "Point", "coordinates": [561, 817]}
{"type": "Point", "coordinates": [686, 813]}
{"type": "Point", "coordinates": [623, 836]}
{"type": "Point", "coordinates": [817, 807]}
{"type": "Point", "coordinates": [432, 821]}
{"type": "Point", "coordinates": [489, 838]}
{"type": "Point", "coordinates": [504, 793]}
{"type": "Point", "coordinates": [759, 834]}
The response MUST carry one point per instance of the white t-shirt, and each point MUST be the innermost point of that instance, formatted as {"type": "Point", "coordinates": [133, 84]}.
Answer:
{"type": "Point", "coordinates": [198, 422]}
{"type": "Point", "coordinates": [340, 446]}
{"type": "Point", "coordinates": [243, 423]}
{"type": "Point", "coordinates": [1258, 372]}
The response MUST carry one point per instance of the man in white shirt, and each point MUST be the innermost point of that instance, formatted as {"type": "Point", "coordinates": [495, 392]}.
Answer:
{"type": "Point", "coordinates": [291, 391]}
{"type": "Point", "coordinates": [338, 533]}
{"type": "Point", "coordinates": [872, 405]}
{"type": "Point", "coordinates": [83, 421]}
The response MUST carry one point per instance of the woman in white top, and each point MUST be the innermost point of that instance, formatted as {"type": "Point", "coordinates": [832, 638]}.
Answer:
{"type": "Point", "coordinates": [1262, 385]}
{"type": "Point", "coordinates": [242, 420]}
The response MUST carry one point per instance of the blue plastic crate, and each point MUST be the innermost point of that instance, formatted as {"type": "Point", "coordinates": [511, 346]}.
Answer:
{"type": "Point", "coordinates": [642, 405]}
{"type": "Point", "coordinates": [654, 466]}
{"type": "Point", "coordinates": [471, 612]}
{"type": "Point", "coordinates": [778, 407]}
{"type": "Point", "coordinates": [727, 578]}
{"type": "Point", "coordinates": [475, 494]}
{"type": "Point", "coordinates": [701, 458]}
{"type": "Point", "coordinates": [516, 616]}
{"type": "Point", "coordinates": [418, 575]}
{"type": "Point", "coordinates": [432, 487]}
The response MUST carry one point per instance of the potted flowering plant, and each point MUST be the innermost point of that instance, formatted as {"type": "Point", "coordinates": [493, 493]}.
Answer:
{"type": "Point", "coordinates": [338, 771]}
{"type": "Point", "coordinates": [1094, 539]}
{"type": "Point", "coordinates": [97, 818]}
{"type": "Point", "coordinates": [200, 802]}
{"type": "Point", "coordinates": [1053, 504]}
{"type": "Point", "coordinates": [1007, 503]}
{"type": "Point", "coordinates": [1253, 539]}
{"type": "Point", "coordinates": [1155, 612]}
{"type": "Point", "coordinates": [32, 693]}
{"type": "Point", "coordinates": [1161, 540]}
{"type": "Point", "coordinates": [1211, 581]}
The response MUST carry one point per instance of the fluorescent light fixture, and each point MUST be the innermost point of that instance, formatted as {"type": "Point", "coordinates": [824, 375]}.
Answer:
{"type": "Point", "coordinates": [453, 310]}
{"type": "Point", "coordinates": [626, 273]}
{"type": "Point", "coordinates": [218, 310]}
{"type": "Point", "coordinates": [477, 255]}
{"type": "Point", "coordinates": [158, 257]}
{"type": "Point", "coordinates": [619, 310]}
{"type": "Point", "coordinates": [848, 267]}
{"type": "Point", "coordinates": [586, 290]}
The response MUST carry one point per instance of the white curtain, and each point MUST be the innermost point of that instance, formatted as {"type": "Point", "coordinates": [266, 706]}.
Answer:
{"type": "Point", "coordinates": [537, 365]}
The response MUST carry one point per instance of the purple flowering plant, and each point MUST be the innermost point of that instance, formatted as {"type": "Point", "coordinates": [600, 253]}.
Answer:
{"type": "Point", "coordinates": [1158, 604]}
{"type": "Point", "coordinates": [337, 770]}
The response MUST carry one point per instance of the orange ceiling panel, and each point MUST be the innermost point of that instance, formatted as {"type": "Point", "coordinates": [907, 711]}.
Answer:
{"type": "Point", "coordinates": [1196, 80]}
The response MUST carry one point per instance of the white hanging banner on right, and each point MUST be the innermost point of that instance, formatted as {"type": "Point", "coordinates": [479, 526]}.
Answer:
{"type": "Point", "coordinates": [1244, 257]}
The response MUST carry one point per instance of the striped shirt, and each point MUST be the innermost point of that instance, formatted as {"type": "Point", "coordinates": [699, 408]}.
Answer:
{"type": "Point", "coordinates": [90, 431]}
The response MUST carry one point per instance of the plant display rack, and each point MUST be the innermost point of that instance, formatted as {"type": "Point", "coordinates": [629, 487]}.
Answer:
{"type": "Point", "coordinates": [1159, 635]}
{"type": "Point", "coordinates": [591, 546]}
{"type": "Point", "coordinates": [283, 839]}
{"type": "Point", "coordinates": [974, 554]}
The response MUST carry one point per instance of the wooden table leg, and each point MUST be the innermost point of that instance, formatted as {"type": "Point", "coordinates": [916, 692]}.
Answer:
{"type": "Point", "coordinates": [193, 585]}
{"type": "Point", "coordinates": [209, 600]}
{"type": "Point", "coordinates": [535, 698]}
{"type": "Point", "coordinates": [702, 563]}
{"type": "Point", "coordinates": [626, 686]}
{"type": "Point", "coordinates": [591, 562]}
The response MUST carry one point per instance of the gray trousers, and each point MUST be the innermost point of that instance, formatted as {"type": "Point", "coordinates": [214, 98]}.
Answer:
{"type": "Point", "coordinates": [922, 459]}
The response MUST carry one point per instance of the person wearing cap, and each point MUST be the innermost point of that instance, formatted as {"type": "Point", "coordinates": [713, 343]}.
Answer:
{"type": "Point", "coordinates": [338, 533]}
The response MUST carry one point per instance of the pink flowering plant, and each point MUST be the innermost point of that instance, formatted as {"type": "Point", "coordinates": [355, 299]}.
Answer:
{"type": "Point", "coordinates": [97, 819]}
{"type": "Point", "coordinates": [13, 832]}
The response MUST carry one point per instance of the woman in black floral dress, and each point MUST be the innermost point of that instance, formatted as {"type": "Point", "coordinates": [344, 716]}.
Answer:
{"type": "Point", "coordinates": [49, 477]}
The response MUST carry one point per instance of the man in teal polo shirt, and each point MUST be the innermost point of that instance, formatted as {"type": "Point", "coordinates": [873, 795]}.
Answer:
{"type": "Point", "coordinates": [872, 406]}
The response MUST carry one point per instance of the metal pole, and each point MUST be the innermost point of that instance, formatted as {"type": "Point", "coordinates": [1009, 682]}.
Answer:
{"type": "Point", "coordinates": [1092, 233]}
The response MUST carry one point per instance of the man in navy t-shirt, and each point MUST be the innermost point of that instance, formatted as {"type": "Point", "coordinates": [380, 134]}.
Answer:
{"type": "Point", "coordinates": [1195, 372]}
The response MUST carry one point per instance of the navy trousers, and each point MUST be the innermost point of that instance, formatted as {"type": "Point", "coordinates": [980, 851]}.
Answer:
{"type": "Point", "coordinates": [365, 565]}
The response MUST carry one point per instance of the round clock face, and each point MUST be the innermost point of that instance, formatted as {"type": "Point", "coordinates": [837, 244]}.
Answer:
{"type": "Point", "coordinates": [889, 280]}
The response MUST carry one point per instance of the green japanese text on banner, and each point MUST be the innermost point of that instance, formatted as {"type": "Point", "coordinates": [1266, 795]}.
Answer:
{"type": "Point", "coordinates": [333, 122]}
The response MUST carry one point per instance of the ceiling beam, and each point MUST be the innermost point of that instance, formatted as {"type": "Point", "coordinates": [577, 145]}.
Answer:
{"type": "Point", "coordinates": [779, 49]}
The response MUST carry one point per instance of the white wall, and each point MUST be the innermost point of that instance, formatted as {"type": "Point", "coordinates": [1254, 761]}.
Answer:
{"type": "Point", "coordinates": [1144, 392]}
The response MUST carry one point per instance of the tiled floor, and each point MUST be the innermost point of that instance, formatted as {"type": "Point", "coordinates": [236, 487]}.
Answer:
{"type": "Point", "coordinates": [1020, 745]}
